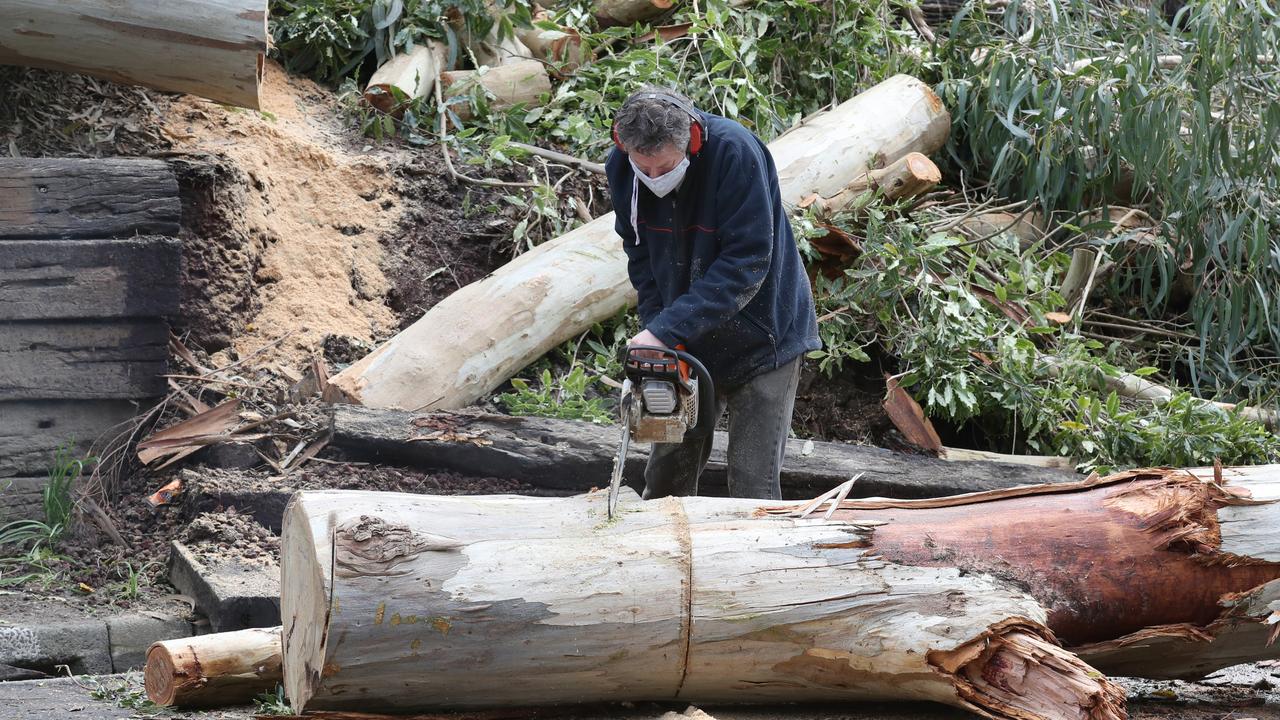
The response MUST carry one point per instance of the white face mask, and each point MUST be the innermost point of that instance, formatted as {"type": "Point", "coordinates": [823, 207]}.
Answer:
{"type": "Point", "coordinates": [663, 184]}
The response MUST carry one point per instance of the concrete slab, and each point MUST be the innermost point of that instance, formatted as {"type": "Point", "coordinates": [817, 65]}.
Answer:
{"type": "Point", "coordinates": [129, 636]}
{"type": "Point", "coordinates": [81, 645]}
{"type": "Point", "coordinates": [232, 595]}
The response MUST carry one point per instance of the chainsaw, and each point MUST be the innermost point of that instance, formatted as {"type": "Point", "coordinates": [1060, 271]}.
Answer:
{"type": "Point", "coordinates": [667, 397]}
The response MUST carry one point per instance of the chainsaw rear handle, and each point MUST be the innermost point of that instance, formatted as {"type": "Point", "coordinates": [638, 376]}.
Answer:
{"type": "Point", "coordinates": [675, 365]}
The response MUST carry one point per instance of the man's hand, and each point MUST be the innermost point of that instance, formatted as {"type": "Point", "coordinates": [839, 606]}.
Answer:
{"type": "Point", "coordinates": [644, 337]}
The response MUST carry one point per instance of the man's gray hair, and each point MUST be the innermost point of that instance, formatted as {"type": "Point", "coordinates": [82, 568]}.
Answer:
{"type": "Point", "coordinates": [647, 125]}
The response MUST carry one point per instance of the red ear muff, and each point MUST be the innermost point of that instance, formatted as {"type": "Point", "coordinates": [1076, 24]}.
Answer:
{"type": "Point", "coordinates": [695, 136]}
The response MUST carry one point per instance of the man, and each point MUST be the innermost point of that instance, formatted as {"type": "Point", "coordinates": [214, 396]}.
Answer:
{"type": "Point", "coordinates": [711, 254]}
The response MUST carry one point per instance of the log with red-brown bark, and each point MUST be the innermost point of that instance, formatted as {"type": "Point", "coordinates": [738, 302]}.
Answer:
{"type": "Point", "coordinates": [403, 602]}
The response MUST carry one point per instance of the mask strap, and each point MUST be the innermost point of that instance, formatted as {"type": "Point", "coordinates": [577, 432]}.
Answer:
{"type": "Point", "coordinates": [635, 204]}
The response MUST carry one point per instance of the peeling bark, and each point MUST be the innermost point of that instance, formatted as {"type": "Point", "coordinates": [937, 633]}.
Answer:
{"type": "Point", "coordinates": [544, 601]}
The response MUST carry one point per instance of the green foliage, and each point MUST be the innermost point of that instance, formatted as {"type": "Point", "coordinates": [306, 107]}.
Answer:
{"type": "Point", "coordinates": [132, 579]}
{"type": "Point", "coordinates": [273, 702]}
{"type": "Point", "coordinates": [1058, 101]}
{"type": "Point", "coordinates": [564, 397]}
{"type": "Point", "coordinates": [942, 306]}
{"type": "Point", "coordinates": [127, 692]}
{"type": "Point", "coordinates": [330, 39]}
{"type": "Point", "coordinates": [30, 546]}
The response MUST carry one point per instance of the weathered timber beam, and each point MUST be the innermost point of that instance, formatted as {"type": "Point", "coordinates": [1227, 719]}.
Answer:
{"type": "Point", "coordinates": [577, 456]}
{"type": "Point", "coordinates": [82, 360]}
{"type": "Point", "coordinates": [89, 279]}
{"type": "Point", "coordinates": [69, 198]}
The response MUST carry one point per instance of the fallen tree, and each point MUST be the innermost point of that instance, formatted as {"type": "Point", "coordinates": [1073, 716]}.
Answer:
{"type": "Point", "coordinates": [221, 43]}
{"type": "Point", "coordinates": [454, 355]}
{"type": "Point", "coordinates": [404, 602]}
{"type": "Point", "coordinates": [576, 456]}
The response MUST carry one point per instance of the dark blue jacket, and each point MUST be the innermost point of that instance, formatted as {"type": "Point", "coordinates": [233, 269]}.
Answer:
{"type": "Point", "coordinates": [715, 263]}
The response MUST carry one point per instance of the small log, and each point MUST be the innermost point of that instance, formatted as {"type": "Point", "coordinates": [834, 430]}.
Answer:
{"type": "Point", "coordinates": [213, 670]}
{"type": "Point", "coordinates": [512, 83]}
{"type": "Point", "coordinates": [413, 74]}
{"type": "Point", "coordinates": [562, 47]}
{"type": "Point", "coordinates": [573, 456]}
{"type": "Point", "coordinates": [1023, 226]}
{"type": "Point", "coordinates": [86, 199]}
{"type": "Point", "coordinates": [911, 175]}
{"type": "Point", "coordinates": [610, 13]}
{"type": "Point", "coordinates": [454, 355]}
{"type": "Point", "coordinates": [83, 360]}
{"type": "Point", "coordinates": [89, 279]}
{"type": "Point", "coordinates": [210, 48]}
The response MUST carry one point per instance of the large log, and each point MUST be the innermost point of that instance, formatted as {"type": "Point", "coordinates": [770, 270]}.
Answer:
{"type": "Point", "coordinates": [86, 199]}
{"type": "Point", "coordinates": [89, 279]}
{"type": "Point", "coordinates": [404, 602]}
{"type": "Point", "coordinates": [577, 456]}
{"type": "Point", "coordinates": [454, 355]}
{"type": "Point", "coordinates": [219, 669]}
{"type": "Point", "coordinates": [498, 600]}
{"type": "Point", "coordinates": [210, 48]}
{"type": "Point", "coordinates": [82, 360]}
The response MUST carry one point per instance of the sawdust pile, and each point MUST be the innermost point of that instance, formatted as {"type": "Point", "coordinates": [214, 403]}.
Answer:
{"type": "Point", "coordinates": [293, 246]}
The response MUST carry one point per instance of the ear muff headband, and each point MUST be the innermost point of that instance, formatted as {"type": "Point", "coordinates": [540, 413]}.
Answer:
{"type": "Point", "coordinates": [696, 134]}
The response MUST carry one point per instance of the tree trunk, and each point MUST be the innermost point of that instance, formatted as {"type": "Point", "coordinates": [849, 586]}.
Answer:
{"type": "Point", "coordinates": [575, 456]}
{"type": "Point", "coordinates": [454, 355]}
{"type": "Point", "coordinates": [449, 602]}
{"type": "Point", "coordinates": [910, 175]}
{"type": "Point", "coordinates": [210, 670]}
{"type": "Point", "coordinates": [413, 74]}
{"type": "Point", "coordinates": [403, 602]}
{"type": "Point", "coordinates": [512, 83]}
{"type": "Point", "coordinates": [210, 48]}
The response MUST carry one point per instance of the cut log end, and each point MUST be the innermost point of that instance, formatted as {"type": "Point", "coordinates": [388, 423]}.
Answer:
{"type": "Point", "coordinates": [1016, 673]}
{"type": "Point", "coordinates": [159, 678]}
{"type": "Point", "coordinates": [209, 670]}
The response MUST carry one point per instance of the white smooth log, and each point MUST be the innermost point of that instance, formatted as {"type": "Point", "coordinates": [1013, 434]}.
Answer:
{"type": "Point", "coordinates": [509, 84]}
{"type": "Point", "coordinates": [412, 73]}
{"type": "Point", "coordinates": [479, 336]}
{"type": "Point", "coordinates": [210, 48]}
{"type": "Point", "coordinates": [437, 602]}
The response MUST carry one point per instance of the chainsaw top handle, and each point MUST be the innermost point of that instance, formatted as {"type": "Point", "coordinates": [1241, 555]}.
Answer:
{"type": "Point", "coordinates": [649, 361]}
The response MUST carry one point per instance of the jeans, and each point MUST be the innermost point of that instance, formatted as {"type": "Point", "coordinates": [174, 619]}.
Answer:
{"type": "Point", "coordinates": [759, 422]}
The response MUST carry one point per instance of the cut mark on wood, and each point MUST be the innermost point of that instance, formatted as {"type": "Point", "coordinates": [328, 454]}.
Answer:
{"type": "Point", "coordinates": [680, 523]}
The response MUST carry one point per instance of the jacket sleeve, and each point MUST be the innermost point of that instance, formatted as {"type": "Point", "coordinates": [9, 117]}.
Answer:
{"type": "Point", "coordinates": [746, 228]}
{"type": "Point", "coordinates": [649, 302]}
